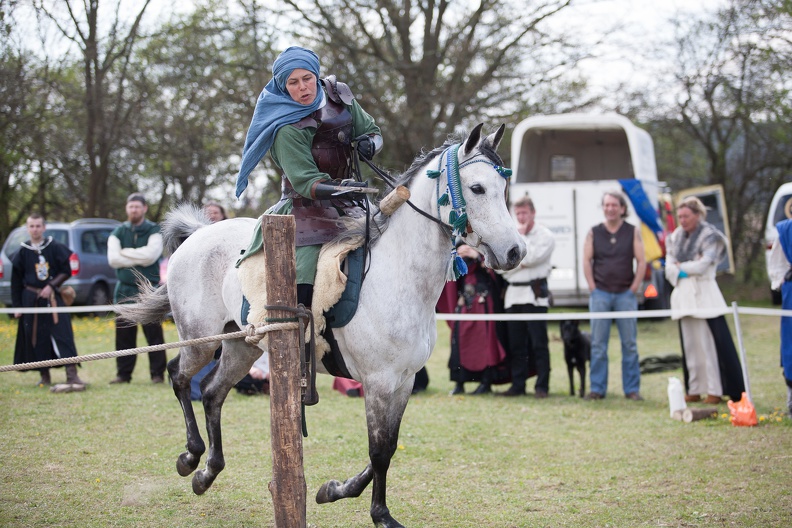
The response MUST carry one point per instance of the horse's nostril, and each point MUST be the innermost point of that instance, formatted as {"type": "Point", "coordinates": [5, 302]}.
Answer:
{"type": "Point", "coordinates": [514, 256]}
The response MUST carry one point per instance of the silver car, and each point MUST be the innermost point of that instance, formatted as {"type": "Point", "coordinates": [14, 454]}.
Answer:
{"type": "Point", "coordinates": [92, 277]}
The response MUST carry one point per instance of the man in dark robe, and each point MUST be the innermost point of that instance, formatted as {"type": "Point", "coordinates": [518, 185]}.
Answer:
{"type": "Point", "coordinates": [40, 267]}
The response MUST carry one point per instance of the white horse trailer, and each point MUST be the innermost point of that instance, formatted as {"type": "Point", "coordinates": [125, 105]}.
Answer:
{"type": "Point", "coordinates": [565, 163]}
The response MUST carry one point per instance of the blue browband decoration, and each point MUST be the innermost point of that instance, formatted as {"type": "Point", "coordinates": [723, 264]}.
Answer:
{"type": "Point", "coordinates": [457, 217]}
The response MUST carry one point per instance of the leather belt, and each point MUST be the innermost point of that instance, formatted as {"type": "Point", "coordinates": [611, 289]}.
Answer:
{"type": "Point", "coordinates": [53, 302]}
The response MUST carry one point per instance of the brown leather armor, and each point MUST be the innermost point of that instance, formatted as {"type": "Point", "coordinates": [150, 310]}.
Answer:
{"type": "Point", "coordinates": [317, 220]}
{"type": "Point", "coordinates": [332, 144]}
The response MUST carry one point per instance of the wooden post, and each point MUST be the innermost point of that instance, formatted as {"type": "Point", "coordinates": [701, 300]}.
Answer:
{"type": "Point", "coordinates": [287, 487]}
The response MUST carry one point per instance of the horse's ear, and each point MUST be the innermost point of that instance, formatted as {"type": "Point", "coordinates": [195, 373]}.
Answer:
{"type": "Point", "coordinates": [495, 137]}
{"type": "Point", "coordinates": [473, 139]}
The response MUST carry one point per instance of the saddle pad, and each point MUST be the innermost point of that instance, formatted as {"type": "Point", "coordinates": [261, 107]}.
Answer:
{"type": "Point", "coordinates": [342, 312]}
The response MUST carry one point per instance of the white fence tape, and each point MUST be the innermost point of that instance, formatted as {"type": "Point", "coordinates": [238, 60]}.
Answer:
{"type": "Point", "coordinates": [582, 316]}
{"type": "Point", "coordinates": [639, 314]}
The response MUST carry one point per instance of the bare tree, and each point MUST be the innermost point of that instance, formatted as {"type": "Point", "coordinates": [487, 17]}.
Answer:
{"type": "Point", "coordinates": [106, 49]}
{"type": "Point", "coordinates": [204, 73]}
{"type": "Point", "coordinates": [735, 103]}
{"type": "Point", "coordinates": [24, 99]}
{"type": "Point", "coordinates": [424, 68]}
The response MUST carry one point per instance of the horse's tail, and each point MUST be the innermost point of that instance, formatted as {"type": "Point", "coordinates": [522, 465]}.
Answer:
{"type": "Point", "coordinates": [180, 223]}
{"type": "Point", "coordinates": [151, 305]}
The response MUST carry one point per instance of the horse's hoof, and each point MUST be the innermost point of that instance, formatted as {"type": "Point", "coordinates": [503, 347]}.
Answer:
{"type": "Point", "coordinates": [386, 521]}
{"type": "Point", "coordinates": [186, 464]}
{"type": "Point", "coordinates": [201, 483]}
{"type": "Point", "coordinates": [327, 493]}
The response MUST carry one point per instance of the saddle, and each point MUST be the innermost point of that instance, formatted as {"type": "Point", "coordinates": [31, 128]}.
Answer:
{"type": "Point", "coordinates": [339, 277]}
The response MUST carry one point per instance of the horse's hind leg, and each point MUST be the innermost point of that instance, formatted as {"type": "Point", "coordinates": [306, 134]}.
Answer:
{"type": "Point", "coordinates": [235, 362]}
{"type": "Point", "coordinates": [181, 376]}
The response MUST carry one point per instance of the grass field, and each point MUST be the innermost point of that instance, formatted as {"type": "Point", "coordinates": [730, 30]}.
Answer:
{"type": "Point", "coordinates": [106, 456]}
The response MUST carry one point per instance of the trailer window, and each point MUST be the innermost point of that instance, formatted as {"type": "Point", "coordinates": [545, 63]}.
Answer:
{"type": "Point", "coordinates": [562, 168]}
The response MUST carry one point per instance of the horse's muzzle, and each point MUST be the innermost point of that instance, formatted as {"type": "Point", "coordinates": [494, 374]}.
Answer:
{"type": "Point", "coordinates": [514, 256]}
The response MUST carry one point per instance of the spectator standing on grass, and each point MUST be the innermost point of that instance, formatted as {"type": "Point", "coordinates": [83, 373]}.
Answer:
{"type": "Point", "coordinates": [781, 278]}
{"type": "Point", "coordinates": [133, 248]}
{"type": "Point", "coordinates": [38, 270]}
{"type": "Point", "coordinates": [527, 293]}
{"type": "Point", "coordinates": [694, 250]}
{"type": "Point", "coordinates": [614, 264]}
{"type": "Point", "coordinates": [477, 353]}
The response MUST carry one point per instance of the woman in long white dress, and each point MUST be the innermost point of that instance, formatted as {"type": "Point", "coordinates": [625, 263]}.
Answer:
{"type": "Point", "coordinates": [712, 366]}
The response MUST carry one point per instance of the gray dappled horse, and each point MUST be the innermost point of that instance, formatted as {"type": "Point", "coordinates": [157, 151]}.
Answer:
{"type": "Point", "coordinates": [393, 331]}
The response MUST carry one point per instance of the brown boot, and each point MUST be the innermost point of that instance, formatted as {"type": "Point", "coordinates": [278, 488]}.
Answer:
{"type": "Point", "coordinates": [45, 378]}
{"type": "Point", "coordinates": [72, 377]}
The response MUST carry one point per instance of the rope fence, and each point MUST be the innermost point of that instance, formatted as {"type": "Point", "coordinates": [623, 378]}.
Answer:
{"type": "Point", "coordinates": [250, 332]}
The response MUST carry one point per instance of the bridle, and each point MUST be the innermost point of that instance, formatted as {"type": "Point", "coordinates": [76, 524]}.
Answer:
{"type": "Point", "coordinates": [458, 225]}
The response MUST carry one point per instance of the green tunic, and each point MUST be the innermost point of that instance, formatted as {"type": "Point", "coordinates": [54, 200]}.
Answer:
{"type": "Point", "coordinates": [134, 237]}
{"type": "Point", "coordinates": [291, 152]}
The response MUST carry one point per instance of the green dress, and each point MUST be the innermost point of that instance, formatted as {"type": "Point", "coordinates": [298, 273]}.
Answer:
{"type": "Point", "coordinates": [291, 152]}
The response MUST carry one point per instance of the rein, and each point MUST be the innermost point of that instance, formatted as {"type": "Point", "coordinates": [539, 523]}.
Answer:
{"type": "Point", "coordinates": [390, 182]}
{"type": "Point", "coordinates": [458, 225]}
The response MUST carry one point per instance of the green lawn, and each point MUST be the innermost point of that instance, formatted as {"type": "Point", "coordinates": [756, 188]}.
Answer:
{"type": "Point", "coordinates": [106, 456]}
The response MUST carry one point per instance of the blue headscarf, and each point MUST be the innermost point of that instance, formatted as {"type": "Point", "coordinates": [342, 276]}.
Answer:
{"type": "Point", "coordinates": [275, 108]}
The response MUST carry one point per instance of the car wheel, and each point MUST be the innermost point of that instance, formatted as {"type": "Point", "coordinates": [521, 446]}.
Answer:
{"type": "Point", "coordinates": [99, 296]}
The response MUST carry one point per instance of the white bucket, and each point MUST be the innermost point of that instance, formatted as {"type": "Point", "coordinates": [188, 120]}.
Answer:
{"type": "Point", "coordinates": [676, 395]}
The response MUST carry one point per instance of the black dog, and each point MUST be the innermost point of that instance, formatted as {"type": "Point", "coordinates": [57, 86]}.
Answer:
{"type": "Point", "coordinates": [577, 350]}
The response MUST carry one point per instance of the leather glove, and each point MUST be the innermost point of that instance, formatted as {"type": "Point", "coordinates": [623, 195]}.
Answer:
{"type": "Point", "coordinates": [353, 183]}
{"type": "Point", "coordinates": [365, 146]}
{"type": "Point", "coordinates": [329, 189]}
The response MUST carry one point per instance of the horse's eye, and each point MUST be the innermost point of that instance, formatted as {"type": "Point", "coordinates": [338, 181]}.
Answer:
{"type": "Point", "coordinates": [477, 189]}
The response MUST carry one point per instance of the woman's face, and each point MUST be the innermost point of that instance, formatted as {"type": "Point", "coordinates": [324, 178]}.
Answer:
{"type": "Point", "coordinates": [688, 220]}
{"type": "Point", "coordinates": [301, 85]}
{"type": "Point", "coordinates": [214, 213]}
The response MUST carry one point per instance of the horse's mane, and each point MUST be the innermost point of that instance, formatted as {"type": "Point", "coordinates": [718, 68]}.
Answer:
{"type": "Point", "coordinates": [379, 223]}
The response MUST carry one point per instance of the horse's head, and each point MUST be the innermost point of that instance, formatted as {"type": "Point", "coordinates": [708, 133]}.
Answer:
{"type": "Point", "coordinates": [490, 228]}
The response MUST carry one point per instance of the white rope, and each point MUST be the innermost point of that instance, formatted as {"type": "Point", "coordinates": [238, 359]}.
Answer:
{"type": "Point", "coordinates": [250, 332]}
{"type": "Point", "coordinates": [586, 316]}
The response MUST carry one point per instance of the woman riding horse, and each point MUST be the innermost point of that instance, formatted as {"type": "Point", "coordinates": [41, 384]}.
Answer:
{"type": "Point", "coordinates": [308, 124]}
{"type": "Point", "coordinates": [456, 189]}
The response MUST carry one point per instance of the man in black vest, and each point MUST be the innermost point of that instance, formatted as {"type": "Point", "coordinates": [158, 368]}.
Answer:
{"type": "Point", "coordinates": [610, 250]}
{"type": "Point", "coordinates": [136, 247]}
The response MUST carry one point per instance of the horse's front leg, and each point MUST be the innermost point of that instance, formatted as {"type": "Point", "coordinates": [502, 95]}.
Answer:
{"type": "Point", "coordinates": [235, 362]}
{"type": "Point", "coordinates": [384, 415]}
{"type": "Point", "coordinates": [333, 490]}
{"type": "Point", "coordinates": [384, 412]}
